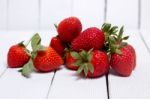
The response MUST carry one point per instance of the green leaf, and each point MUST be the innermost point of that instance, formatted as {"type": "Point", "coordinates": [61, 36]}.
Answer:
{"type": "Point", "coordinates": [35, 41]}
{"type": "Point", "coordinates": [113, 48]}
{"type": "Point", "coordinates": [89, 56]}
{"type": "Point", "coordinates": [113, 29]}
{"type": "Point", "coordinates": [106, 27]}
{"type": "Point", "coordinates": [27, 69]}
{"type": "Point", "coordinates": [89, 52]}
{"type": "Point", "coordinates": [120, 33]}
{"type": "Point", "coordinates": [56, 26]}
{"type": "Point", "coordinates": [41, 48]}
{"type": "Point", "coordinates": [122, 44]}
{"type": "Point", "coordinates": [80, 69]}
{"type": "Point", "coordinates": [21, 43]}
{"type": "Point", "coordinates": [112, 39]}
{"type": "Point", "coordinates": [91, 68]}
{"type": "Point", "coordinates": [33, 54]}
{"type": "Point", "coordinates": [83, 54]}
{"type": "Point", "coordinates": [125, 38]}
{"type": "Point", "coordinates": [75, 55]}
{"type": "Point", "coordinates": [85, 69]}
{"type": "Point", "coordinates": [77, 63]}
{"type": "Point", "coordinates": [28, 52]}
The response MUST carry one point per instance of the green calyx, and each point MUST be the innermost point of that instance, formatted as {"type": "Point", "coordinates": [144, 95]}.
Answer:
{"type": "Point", "coordinates": [83, 61]}
{"type": "Point", "coordinates": [113, 38]}
{"type": "Point", "coordinates": [28, 68]}
{"type": "Point", "coordinates": [56, 26]}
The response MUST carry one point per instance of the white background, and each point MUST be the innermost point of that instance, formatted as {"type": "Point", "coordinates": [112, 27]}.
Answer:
{"type": "Point", "coordinates": [42, 14]}
{"type": "Point", "coordinates": [20, 19]}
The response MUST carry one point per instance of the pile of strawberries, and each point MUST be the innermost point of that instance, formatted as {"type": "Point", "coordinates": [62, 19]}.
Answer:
{"type": "Point", "coordinates": [92, 52]}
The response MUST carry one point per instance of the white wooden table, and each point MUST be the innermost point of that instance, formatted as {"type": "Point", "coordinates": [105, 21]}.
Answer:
{"type": "Point", "coordinates": [18, 16]}
{"type": "Point", "coordinates": [65, 84]}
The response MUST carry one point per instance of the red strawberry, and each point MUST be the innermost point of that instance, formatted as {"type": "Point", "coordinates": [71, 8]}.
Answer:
{"type": "Point", "coordinates": [124, 63]}
{"type": "Point", "coordinates": [17, 56]}
{"type": "Point", "coordinates": [92, 63]}
{"type": "Point", "coordinates": [90, 38]}
{"type": "Point", "coordinates": [69, 28]}
{"type": "Point", "coordinates": [57, 45]}
{"type": "Point", "coordinates": [69, 61]}
{"type": "Point", "coordinates": [47, 60]}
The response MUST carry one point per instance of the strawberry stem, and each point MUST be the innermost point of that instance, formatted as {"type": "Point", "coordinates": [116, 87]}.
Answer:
{"type": "Point", "coordinates": [113, 38]}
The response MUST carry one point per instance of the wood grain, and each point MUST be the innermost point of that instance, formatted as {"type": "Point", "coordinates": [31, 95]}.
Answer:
{"type": "Point", "coordinates": [67, 84]}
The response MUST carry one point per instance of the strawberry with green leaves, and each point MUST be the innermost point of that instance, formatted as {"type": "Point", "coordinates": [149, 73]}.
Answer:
{"type": "Point", "coordinates": [93, 63]}
{"type": "Point", "coordinates": [17, 56]}
{"type": "Point", "coordinates": [89, 38]}
{"type": "Point", "coordinates": [69, 28]}
{"type": "Point", "coordinates": [43, 59]}
{"type": "Point", "coordinates": [122, 55]}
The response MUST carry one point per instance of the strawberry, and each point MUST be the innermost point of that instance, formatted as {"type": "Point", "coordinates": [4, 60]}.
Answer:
{"type": "Point", "coordinates": [43, 59]}
{"type": "Point", "coordinates": [90, 38]}
{"type": "Point", "coordinates": [124, 63]}
{"type": "Point", "coordinates": [57, 45]}
{"type": "Point", "coordinates": [47, 60]}
{"type": "Point", "coordinates": [69, 28]}
{"type": "Point", "coordinates": [69, 61]}
{"type": "Point", "coordinates": [122, 55]}
{"type": "Point", "coordinates": [92, 63]}
{"type": "Point", "coordinates": [17, 56]}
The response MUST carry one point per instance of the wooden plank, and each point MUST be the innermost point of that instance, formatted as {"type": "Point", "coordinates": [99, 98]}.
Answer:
{"type": "Point", "coordinates": [123, 12]}
{"type": "Point", "coordinates": [23, 14]}
{"type": "Point", "coordinates": [12, 84]}
{"type": "Point", "coordinates": [3, 14]}
{"type": "Point", "coordinates": [91, 12]}
{"type": "Point", "coordinates": [137, 85]}
{"type": "Point", "coordinates": [145, 36]}
{"type": "Point", "coordinates": [3, 54]}
{"type": "Point", "coordinates": [53, 12]}
{"type": "Point", "coordinates": [67, 84]}
{"type": "Point", "coordinates": [145, 14]}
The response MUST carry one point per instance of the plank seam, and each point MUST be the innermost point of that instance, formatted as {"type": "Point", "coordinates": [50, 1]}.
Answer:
{"type": "Point", "coordinates": [3, 72]}
{"type": "Point", "coordinates": [39, 13]}
{"type": "Point", "coordinates": [106, 76]}
{"type": "Point", "coordinates": [139, 26]}
{"type": "Point", "coordinates": [107, 85]}
{"type": "Point", "coordinates": [139, 14]}
{"type": "Point", "coordinates": [7, 16]}
{"type": "Point", "coordinates": [142, 38]}
{"type": "Point", "coordinates": [105, 10]}
{"type": "Point", "coordinates": [49, 89]}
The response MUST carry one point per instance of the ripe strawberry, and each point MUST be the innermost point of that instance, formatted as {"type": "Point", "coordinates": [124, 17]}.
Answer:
{"type": "Point", "coordinates": [17, 56]}
{"type": "Point", "coordinates": [124, 63]}
{"type": "Point", "coordinates": [123, 56]}
{"type": "Point", "coordinates": [47, 60]}
{"type": "Point", "coordinates": [90, 38]}
{"type": "Point", "coordinates": [69, 61]}
{"type": "Point", "coordinates": [92, 63]}
{"type": "Point", "coordinates": [57, 45]}
{"type": "Point", "coordinates": [69, 28]}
